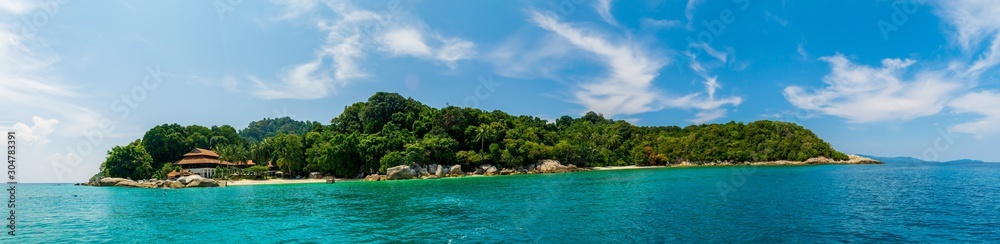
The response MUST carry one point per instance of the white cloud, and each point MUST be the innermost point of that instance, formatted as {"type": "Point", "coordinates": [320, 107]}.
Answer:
{"type": "Point", "coordinates": [801, 50]}
{"type": "Point", "coordinates": [295, 8]}
{"type": "Point", "coordinates": [863, 94]}
{"type": "Point", "coordinates": [689, 11]}
{"type": "Point", "coordinates": [627, 88]}
{"type": "Point", "coordinates": [411, 41]}
{"type": "Point", "coordinates": [720, 55]}
{"type": "Point", "coordinates": [775, 18]}
{"type": "Point", "coordinates": [708, 115]}
{"type": "Point", "coordinates": [38, 132]}
{"type": "Point", "coordinates": [520, 57]}
{"type": "Point", "coordinates": [984, 103]}
{"type": "Point", "coordinates": [28, 85]}
{"type": "Point", "coordinates": [710, 107]}
{"type": "Point", "coordinates": [301, 81]}
{"type": "Point", "coordinates": [975, 22]}
{"type": "Point", "coordinates": [405, 41]}
{"type": "Point", "coordinates": [352, 35]}
{"type": "Point", "coordinates": [659, 23]}
{"type": "Point", "coordinates": [453, 50]}
{"type": "Point", "coordinates": [17, 7]}
{"type": "Point", "coordinates": [604, 9]}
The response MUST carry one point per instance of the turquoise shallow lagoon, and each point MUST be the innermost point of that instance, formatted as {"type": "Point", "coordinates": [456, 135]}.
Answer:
{"type": "Point", "coordinates": [831, 203]}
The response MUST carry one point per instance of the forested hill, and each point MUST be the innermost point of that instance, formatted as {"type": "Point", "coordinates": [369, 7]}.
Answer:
{"type": "Point", "coordinates": [390, 130]}
{"type": "Point", "coordinates": [258, 130]}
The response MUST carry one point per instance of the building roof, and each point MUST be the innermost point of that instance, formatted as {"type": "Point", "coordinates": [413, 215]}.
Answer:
{"type": "Point", "coordinates": [202, 156]}
{"type": "Point", "coordinates": [202, 152]}
{"type": "Point", "coordinates": [175, 173]}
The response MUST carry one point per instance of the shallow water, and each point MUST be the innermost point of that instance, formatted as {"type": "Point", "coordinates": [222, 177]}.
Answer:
{"type": "Point", "coordinates": [830, 203]}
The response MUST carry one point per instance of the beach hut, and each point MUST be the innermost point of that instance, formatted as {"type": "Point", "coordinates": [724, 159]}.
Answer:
{"type": "Point", "coordinates": [173, 175]}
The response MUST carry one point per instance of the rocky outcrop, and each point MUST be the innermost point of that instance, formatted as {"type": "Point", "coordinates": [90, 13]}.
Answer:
{"type": "Point", "coordinates": [455, 170]}
{"type": "Point", "coordinates": [400, 172]}
{"type": "Point", "coordinates": [127, 183]}
{"type": "Point", "coordinates": [202, 182]}
{"type": "Point", "coordinates": [183, 182]}
{"type": "Point", "coordinates": [375, 177]}
{"type": "Point", "coordinates": [175, 184]}
{"type": "Point", "coordinates": [819, 160]}
{"type": "Point", "coordinates": [851, 159]}
{"type": "Point", "coordinates": [492, 171]}
{"type": "Point", "coordinates": [188, 179]}
{"type": "Point", "coordinates": [855, 159]}
{"type": "Point", "coordinates": [432, 169]}
{"type": "Point", "coordinates": [439, 171]}
{"type": "Point", "coordinates": [418, 170]}
{"type": "Point", "coordinates": [109, 181]}
{"type": "Point", "coordinates": [552, 166]}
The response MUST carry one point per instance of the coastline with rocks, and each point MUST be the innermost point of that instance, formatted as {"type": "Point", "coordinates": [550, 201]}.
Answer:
{"type": "Point", "coordinates": [434, 171]}
{"type": "Point", "coordinates": [189, 181]}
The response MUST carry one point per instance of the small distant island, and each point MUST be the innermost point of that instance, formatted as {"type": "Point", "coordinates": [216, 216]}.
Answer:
{"type": "Point", "coordinates": [392, 137]}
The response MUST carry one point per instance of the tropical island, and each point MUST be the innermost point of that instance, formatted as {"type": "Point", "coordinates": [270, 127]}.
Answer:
{"type": "Point", "coordinates": [392, 137]}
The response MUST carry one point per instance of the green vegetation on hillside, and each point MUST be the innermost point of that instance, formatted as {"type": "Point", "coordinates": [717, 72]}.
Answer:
{"type": "Point", "coordinates": [390, 130]}
{"type": "Point", "coordinates": [258, 130]}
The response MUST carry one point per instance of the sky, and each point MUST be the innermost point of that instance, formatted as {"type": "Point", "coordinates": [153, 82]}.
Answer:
{"type": "Point", "coordinates": [914, 78]}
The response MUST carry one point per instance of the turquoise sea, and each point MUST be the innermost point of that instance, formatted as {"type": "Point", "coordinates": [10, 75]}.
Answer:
{"type": "Point", "coordinates": [832, 203]}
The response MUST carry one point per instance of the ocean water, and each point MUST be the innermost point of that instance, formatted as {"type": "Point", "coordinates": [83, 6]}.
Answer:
{"type": "Point", "coordinates": [830, 203]}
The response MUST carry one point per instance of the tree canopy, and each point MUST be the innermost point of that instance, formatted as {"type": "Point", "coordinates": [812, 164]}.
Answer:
{"type": "Point", "coordinates": [258, 130]}
{"type": "Point", "coordinates": [129, 161]}
{"type": "Point", "coordinates": [389, 130]}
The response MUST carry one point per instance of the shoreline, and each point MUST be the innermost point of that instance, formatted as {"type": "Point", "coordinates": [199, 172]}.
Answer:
{"type": "Point", "coordinates": [558, 169]}
{"type": "Point", "coordinates": [282, 181]}
{"type": "Point", "coordinates": [691, 165]}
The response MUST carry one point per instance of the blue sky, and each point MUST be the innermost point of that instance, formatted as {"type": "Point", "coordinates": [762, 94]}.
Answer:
{"type": "Point", "coordinates": [890, 78]}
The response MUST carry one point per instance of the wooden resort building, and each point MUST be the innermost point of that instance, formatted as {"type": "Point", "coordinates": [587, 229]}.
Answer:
{"type": "Point", "coordinates": [202, 162]}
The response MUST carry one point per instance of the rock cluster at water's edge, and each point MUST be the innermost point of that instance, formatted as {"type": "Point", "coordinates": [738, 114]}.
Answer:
{"type": "Point", "coordinates": [434, 171]}
{"type": "Point", "coordinates": [401, 172]}
{"type": "Point", "coordinates": [182, 182]}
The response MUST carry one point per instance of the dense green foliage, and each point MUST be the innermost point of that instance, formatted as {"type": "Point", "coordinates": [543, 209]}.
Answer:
{"type": "Point", "coordinates": [258, 130]}
{"type": "Point", "coordinates": [390, 130]}
{"type": "Point", "coordinates": [129, 161]}
{"type": "Point", "coordinates": [168, 143]}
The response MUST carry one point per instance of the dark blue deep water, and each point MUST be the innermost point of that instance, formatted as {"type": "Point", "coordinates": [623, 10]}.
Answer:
{"type": "Point", "coordinates": [765, 204]}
